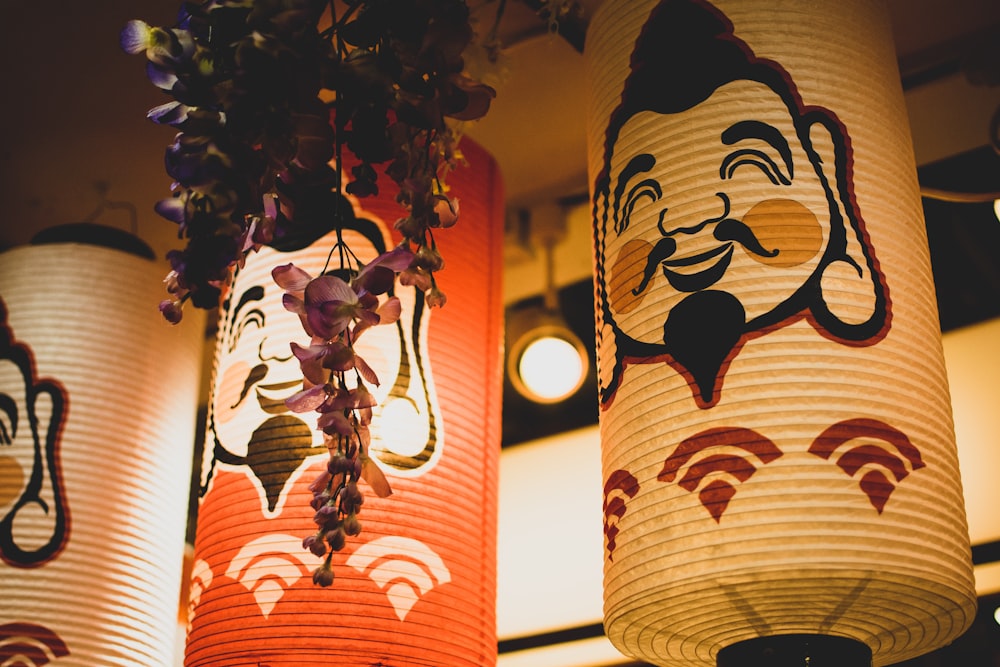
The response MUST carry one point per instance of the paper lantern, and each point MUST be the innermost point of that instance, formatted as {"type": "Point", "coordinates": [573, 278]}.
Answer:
{"type": "Point", "coordinates": [418, 585]}
{"type": "Point", "coordinates": [778, 456]}
{"type": "Point", "coordinates": [98, 398]}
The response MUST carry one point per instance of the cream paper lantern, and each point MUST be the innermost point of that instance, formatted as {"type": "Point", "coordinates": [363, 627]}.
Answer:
{"type": "Point", "coordinates": [417, 586]}
{"type": "Point", "coordinates": [98, 399]}
{"type": "Point", "coordinates": [780, 469]}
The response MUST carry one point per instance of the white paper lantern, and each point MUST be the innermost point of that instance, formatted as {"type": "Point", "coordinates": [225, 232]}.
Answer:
{"type": "Point", "coordinates": [778, 451]}
{"type": "Point", "coordinates": [98, 398]}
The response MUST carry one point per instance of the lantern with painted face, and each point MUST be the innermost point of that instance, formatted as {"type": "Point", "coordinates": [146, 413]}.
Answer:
{"type": "Point", "coordinates": [96, 438]}
{"type": "Point", "coordinates": [776, 429]}
{"type": "Point", "coordinates": [425, 558]}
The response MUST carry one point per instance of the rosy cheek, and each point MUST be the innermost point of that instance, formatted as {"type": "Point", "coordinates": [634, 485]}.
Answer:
{"type": "Point", "coordinates": [626, 275]}
{"type": "Point", "coordinates": [11, 480]}
{"type": "Point", "coordinates": [227, 391]}
{"type": "Point", "coordinates": [789, 227]}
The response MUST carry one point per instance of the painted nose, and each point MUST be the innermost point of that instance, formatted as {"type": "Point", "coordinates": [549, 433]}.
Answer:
{"type": "Point", "coordinates": [272, 352]}
{"type": "Point", "coordinates": [694, 229]}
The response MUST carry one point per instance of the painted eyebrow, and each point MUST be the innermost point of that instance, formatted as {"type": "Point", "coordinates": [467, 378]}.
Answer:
{"type": "Point", "coordinates": [255, 293]}
{"type": "Point", "coordinates": [755, 129]}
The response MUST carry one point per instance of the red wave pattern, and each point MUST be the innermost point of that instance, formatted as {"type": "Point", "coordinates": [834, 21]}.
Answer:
{"type": "Point", "coordinates": [874, 483]}
{"type": "Point", "coordinates": [715, 495]}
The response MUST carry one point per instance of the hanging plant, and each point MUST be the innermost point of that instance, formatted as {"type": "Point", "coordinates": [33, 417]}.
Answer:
{"type": "Point", "coordinates": [271, 98]}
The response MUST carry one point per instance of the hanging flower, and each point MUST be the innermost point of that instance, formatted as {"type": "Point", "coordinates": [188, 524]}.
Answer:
{"type": "Point", "coordinates": [268, 98]}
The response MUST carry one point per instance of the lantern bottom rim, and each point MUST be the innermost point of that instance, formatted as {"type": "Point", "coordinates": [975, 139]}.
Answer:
{"type": "Point", "coordinates": [796, 650]}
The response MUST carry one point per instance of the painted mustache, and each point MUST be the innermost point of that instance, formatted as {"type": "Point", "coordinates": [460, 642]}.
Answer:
{"type": "Point", "coordinates": [727, 229]}
{"type": "Point", "coordinates": [257, 373]}
{"type": "Point", "coordinates": [736, 230]}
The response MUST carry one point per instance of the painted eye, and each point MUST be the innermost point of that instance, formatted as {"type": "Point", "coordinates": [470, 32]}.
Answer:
{"type": "Point", "coordinates": [645, 189]}
{"type": "Point", "coordinates": [752, 158]}
{"type": "Point", "coordinates": [254, 318]}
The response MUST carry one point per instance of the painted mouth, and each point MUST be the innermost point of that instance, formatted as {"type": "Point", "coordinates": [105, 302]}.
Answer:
{"type": "Point", "coordinates": [717, 261]}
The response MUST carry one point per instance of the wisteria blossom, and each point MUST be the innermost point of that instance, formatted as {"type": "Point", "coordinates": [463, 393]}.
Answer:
{"type": "Point", "coordinates": [334, 314]}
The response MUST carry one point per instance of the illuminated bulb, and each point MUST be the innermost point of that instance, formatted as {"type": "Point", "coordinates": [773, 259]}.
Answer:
{"type": "Point", "coordinates": [551, 368]}
{"type": "Point", "coordinates": [996, 208]}
{"type": "Point", "coordinates": [996, 615]}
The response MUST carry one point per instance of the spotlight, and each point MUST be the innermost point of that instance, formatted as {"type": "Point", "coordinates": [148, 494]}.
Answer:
{"type": "Point", "coordinates": [546, 362]}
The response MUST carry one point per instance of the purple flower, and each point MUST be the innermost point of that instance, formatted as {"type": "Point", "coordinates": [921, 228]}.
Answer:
{"type": "Point", "coordinates": [308, 399]}
{"type": "Point", "coordinates": [378, 276]}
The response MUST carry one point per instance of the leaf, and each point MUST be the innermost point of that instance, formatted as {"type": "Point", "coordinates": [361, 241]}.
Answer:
{"type": "Point", "coordinates": [371, 473]}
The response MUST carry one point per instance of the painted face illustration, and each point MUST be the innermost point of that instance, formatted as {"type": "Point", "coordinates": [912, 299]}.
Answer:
{"type": "Point", "coordinates": [742, 236]}
{"type": "Point", "coordinates": [251, 428]}
{"type": "Point", "coordinates": [34, 522]}
{"type": "Point", "coordinates": [752, 213]}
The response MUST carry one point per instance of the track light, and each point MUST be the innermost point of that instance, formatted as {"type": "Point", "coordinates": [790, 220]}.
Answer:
{"type": "Point", "coordinates": [546, 362]}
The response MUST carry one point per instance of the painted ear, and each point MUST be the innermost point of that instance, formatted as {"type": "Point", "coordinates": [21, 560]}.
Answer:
{"type": "Point", "coordinates": [43, 495]}
{"type": "Point", "coordinates": [852, 301]}
{"type": "Point", "coordinates": [416, 448]}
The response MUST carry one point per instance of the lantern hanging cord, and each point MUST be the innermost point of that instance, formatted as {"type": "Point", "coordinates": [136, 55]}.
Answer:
{"type": "Point", "coordinates": [106, 204]}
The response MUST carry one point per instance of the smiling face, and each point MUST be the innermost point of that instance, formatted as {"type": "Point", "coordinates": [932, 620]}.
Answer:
{"type": "Point", "coordinates": [256, 372]}
{"type": "Point", "coordinates": [747, 210]}
{"type": "Point", "coordinates": [252, 430]}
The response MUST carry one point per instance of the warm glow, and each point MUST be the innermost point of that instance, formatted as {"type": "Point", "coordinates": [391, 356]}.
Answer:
{"type": "Point", "coordinates": [973, 364]}
{"type": "Point", "coordinates": [87, 440]}
{"type": "Point", "coordinates": [775, 427]}
{"type": "Point", "coordinates": [551, 368]}
{"type": "Point", "coordinates": [549, 553]}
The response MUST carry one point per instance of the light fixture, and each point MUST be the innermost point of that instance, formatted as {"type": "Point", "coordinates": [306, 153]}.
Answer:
{"type": "Point", "coordinates": [98, 398]}
{"type": "Point", "coordinates": [417, 586]}
{"type": "Point", "coordinates": [779, 464]}
{"type": "Point", "coordinates": [546, 362]}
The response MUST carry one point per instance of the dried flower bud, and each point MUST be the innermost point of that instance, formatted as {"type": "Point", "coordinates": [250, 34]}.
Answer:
{"type": "Point", "coordinates": [315, 545]}
{"type": "Point", "coordinates": [409, 227]}
{"type": "Point", "coordinates": [336, 539]}
{"type": "Point", "coordinates": [339, 463]}
{"type": "Point", "coordinates": [171, 311]}
{"type": "Point", "coordinates": [428, 259]}
{"type": "Point", "coordinates": [323, 576]}
{"type": "Point", "coordinates": [352, 526]}
{"type": "Point", "coordinates": [436, 298]}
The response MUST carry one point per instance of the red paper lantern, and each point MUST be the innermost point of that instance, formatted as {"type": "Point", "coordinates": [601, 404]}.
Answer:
{"type": "Point", "coordinates": [417, 587]}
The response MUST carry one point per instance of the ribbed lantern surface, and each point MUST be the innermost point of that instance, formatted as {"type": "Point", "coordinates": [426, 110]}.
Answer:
{"type": "Point", "coordinates": [417, 587]}
{"type": "Point", "coordinates": [778, 451]}
{"type": "Point", "coordinates": [98, 397]}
